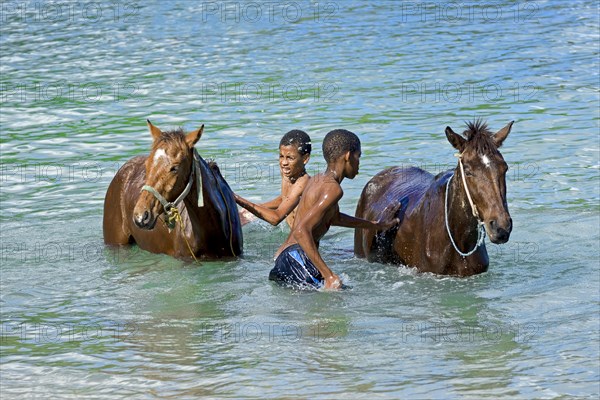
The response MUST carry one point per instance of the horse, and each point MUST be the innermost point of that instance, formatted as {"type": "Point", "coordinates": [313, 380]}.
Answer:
{"type": "Point", "coordinates": [443, 218]}
{"type": "Point", "coordinates": [199, 213]}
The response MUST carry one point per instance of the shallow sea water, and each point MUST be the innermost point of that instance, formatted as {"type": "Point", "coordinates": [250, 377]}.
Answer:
{"type": "Point", "coordinates": [78, 81]}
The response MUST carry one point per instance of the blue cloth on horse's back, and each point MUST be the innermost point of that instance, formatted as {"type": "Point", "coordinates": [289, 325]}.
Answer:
{"type": "Point", "coordinates": [293, 268]}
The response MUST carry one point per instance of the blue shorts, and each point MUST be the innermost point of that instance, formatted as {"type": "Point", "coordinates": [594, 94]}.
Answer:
{"type": "Point", "coordinates": [293, 268]}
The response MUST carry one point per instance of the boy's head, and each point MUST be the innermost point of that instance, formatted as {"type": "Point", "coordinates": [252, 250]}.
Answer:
{"type": "Point", "coordinates": [299, 139]}
{"type": "Point", "coordinates": [294, 152]}
{"type": "Point", "coordinates": [342, 143]}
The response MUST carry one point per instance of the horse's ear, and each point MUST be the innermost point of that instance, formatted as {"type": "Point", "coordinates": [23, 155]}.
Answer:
{"type": "Point", "coordinates": [502, 134]}
{"type": "Point", "coordinates": [154, 130]}
{"type": "Point", "coordinates": [192, 138]}
{"type": "Point", "coordinates": [457, 141]}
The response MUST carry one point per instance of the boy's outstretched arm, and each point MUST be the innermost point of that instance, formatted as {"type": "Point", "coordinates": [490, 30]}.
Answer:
{"type": "Point", "coordinates": [285, 205]}
{"type": "Point", "coordinates": [348, 221]}
{"type": "Point", "coordinates": [272, 204]}
{"type": "Point", "coordinates": [303, 233]}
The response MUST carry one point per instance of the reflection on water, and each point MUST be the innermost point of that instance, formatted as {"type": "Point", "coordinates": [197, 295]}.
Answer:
{"type": "Point", "coordinates": [82, 320]}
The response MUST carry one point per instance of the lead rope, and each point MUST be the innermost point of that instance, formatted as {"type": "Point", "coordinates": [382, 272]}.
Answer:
{"type": "Point", "coordinates": [174, 216]}
{"type": "Point", "coordinates": [481, 229]}
{"type": "Point", "coordinates": [464, 180]}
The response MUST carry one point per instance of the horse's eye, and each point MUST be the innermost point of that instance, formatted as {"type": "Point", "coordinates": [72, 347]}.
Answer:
{"type": "Point", "coordinates": [174, 168]}
{"type": "Point", "coordinates": [468, 172]}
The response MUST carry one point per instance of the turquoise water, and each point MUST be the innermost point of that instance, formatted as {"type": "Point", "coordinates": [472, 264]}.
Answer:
{"type": "Point", "coordinates": [78, 81]}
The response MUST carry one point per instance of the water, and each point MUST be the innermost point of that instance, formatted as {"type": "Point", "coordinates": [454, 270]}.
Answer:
{"type": "Point", "coordinates": [78, 82]}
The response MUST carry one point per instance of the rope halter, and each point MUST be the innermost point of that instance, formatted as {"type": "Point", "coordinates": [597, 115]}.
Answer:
{"type": "Point", "coordinates": [480, 226]}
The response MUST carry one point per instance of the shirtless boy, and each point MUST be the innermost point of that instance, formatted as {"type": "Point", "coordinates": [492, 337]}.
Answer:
{"type": "Point", "coordinates": [294, 152]}
{"type": "Point", "coordinates": [298, 261]}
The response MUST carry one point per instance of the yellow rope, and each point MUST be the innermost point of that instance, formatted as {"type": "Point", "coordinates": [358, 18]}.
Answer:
{"type": "Point", "coordinates": [174, 216]}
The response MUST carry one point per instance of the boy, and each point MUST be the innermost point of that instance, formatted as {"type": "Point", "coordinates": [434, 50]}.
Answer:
{"type": "Point", "coordinates": [294, 153]}
{"type": "Point", "coordinates": [298, 262]}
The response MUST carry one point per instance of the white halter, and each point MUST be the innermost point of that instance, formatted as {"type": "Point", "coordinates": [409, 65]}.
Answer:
{"type": "Point", "coordinates": [480, 227]}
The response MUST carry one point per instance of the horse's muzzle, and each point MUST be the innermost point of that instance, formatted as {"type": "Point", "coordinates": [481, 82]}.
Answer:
{"type": "Point", "coordinates": [499, 234]}
{"type": "Point", "coordinates": [144, 220]}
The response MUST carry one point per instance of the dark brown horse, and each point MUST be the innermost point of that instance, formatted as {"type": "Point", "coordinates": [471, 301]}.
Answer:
{"type": "Point", "coordinates": [199, 214]}
{"type": "Point", "coordinates": [442, 217]}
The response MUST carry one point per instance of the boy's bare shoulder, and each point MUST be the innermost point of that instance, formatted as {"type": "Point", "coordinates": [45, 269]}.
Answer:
{"type": "Point", "coordinates": [321, 186]}
{"type": "Point", "coordinates": [297, 188]}
{"type": "Point", "coordinates": [302, 181]}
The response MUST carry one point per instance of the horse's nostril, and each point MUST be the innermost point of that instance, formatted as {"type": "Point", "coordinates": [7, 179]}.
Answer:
{"type": "Point", "coordinates": [146, 217]}
{"type": "Point", "coordinates": [493, 224]}
{"type": "Point", "coordinates": [503, 235]}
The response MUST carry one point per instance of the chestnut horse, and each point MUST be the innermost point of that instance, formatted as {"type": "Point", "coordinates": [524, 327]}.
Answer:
{"type": "Point", "coordinates": [199, 214]}
{"type": "Point", "coordinates": [442, 217]}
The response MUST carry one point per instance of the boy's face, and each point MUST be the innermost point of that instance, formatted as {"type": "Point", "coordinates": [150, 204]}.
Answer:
{"type": "Point", "coordinates": [291, 163]}
{"type": "Point", "coordinates": [353, 163]}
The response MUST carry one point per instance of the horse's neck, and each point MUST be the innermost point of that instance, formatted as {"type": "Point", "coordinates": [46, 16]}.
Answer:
{"type": "Point", "coordinates": [462, 223]}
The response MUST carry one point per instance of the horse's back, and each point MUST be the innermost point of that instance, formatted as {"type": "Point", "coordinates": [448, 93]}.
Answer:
{"type": "Point", "coordinates": [391, 193]}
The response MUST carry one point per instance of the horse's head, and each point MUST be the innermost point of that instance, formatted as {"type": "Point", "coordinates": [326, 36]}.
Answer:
{"type": "Point", "coordinates": [484, 172]}
{"type": "Point", "coordinates": [168, 170]}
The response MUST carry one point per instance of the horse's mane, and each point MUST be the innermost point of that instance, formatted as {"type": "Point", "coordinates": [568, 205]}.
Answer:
{"type": "Point", "coordinates": [480, 137]}
{"type": "Point", "coordinates": [213, 165]}
{"type": "Point", "coordinates": [175, 135]}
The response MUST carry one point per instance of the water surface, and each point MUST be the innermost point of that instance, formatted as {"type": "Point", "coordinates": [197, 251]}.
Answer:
{"type": "Point", "coordinates": [80, 320]}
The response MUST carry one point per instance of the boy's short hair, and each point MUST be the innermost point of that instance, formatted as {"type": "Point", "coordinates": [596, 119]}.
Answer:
{"type": "Point", "coordinates": [297, 138]}
{"type": "Point", "coordinates": [338, 142]}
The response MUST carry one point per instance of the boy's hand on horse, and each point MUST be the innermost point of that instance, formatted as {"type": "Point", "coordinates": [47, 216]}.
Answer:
{"type": "Point", "coordinates": [383, 225]}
